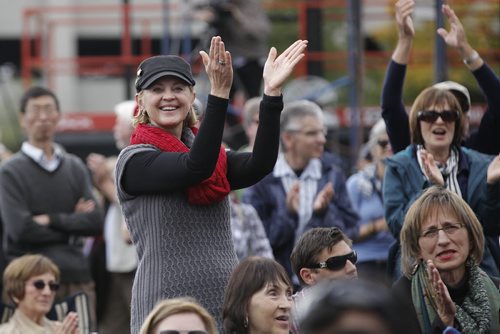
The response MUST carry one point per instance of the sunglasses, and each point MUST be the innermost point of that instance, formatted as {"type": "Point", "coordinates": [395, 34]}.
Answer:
{"type": "Point", "coordinates": [336, 262]}
{"type": "Point", "coordinates": [382, 143]}
{"type": "Point", "coordinates": [40, 285]}
{"type": "Point", "coordinates": [430, 116]}
{"type": "Point", "coordinates": [182, 332]}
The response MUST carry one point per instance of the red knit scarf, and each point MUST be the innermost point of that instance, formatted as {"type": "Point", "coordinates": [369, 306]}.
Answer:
{"type": "Point", "coordinates": [211, 190]}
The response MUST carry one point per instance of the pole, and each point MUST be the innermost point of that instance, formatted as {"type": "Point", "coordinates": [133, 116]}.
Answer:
{"type": "Point", "coordinates": [440, 70]}
{"type": "Point", "coordinates": [355, 50]}
{"type": "Point", "coordinates": [315, 38]}
{"type": "Point", "coordinates": [127, 49]}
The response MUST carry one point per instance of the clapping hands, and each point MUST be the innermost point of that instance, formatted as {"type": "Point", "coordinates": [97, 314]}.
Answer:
{"type": "Point", "coordinates": [445, 307]}
{"type": "Point", "coordinates": [278, 68]}
{"type": "Point", "coordinates": [430, 168]}
{"type": "Point", "coordinates": [219, 67]}
{"type": "Point", "coordinates": [493, 172]}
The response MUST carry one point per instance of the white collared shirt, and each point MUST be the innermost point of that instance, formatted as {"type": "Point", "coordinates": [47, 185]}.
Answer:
{"type": "Point", "coordinates": [308, 187]}
{"type": "Point", "coordinates": [41, 158]}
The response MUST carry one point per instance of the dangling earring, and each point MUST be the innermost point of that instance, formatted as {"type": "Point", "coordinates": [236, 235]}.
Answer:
{"type": "Point", "coordinates": [245, 322]}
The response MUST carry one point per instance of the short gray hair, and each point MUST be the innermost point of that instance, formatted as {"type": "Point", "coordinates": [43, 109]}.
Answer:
{"type": "Point", "coordinates": [296, 111]}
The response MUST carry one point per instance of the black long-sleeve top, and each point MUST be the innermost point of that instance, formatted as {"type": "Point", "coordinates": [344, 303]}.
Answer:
{"type": "Point", "coordinates": [485, 140]}
{"type": "Point", "coordinates": [160, 172]}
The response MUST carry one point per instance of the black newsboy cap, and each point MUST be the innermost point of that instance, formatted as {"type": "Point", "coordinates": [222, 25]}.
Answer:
{"type": "Point", "coordinates": [156, 67]}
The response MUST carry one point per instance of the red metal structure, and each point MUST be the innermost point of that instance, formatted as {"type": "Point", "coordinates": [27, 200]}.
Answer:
{"type": "Point", "coordinates": [142, 22]}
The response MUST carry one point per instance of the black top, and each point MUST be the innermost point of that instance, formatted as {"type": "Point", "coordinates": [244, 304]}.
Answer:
{"type": "Point", "coordinates": [159, 172]}
{"type": "Point", "coordinates": [485, 140]}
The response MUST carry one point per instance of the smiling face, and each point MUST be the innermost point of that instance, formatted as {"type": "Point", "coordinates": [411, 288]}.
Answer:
{"type": "Point", "coordinates": [36, 303]}
{"type": "Point", "coordinates": [438, 135]}
{"type": "Point", "coordinates": [269, 309]}
{"type": "Point", "coordinates": [167, 102]}
{"type": "Point", "coordinates": [448, 250]}
{"type": "Point", "coordinates": [40, 119]}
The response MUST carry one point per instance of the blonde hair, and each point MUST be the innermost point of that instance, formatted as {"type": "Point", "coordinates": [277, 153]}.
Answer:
{"type": "Point", "coordinates": [169, 307]}
{"type": "Point", "coordinates": [433, 201]}
{"type": "Point", "coordinates": [142, 116]}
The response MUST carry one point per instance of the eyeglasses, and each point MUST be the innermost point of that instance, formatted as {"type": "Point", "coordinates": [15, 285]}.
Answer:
{"type": "Point", "coordinates": [449, 229]}
{"type": "Point", "coordinates": [336, 262]}
{"type": "Point", "coordinates": [383, 143]}
{"type": "Point", "coordinates": [37, 110]}
{"type": "Point", "coordinates": [40, 285]}
{"type": "Point", "coordinates": [182, 332]}
{"type": "Point", "coordinates": [310, 133]}
{"type": "Point", "coordinates": [430, 116]}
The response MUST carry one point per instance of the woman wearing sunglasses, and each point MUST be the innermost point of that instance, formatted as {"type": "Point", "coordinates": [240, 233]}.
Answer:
{"type": "Point", "coordinates": [436, 157]}
{"type": "Point", "coordinates": [258, 298]}
{"type": "Point", "coordinates": [442, 245]}
{"type": "Point", "coordinates": [179, 316]}
{"type": "Point", "coordinates": [31, 282]}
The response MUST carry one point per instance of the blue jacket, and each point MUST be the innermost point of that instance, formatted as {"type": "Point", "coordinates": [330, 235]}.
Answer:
{"type": "Point", "coordinates": [404, 182]}
{"type": "Point", "coordinates": [269, 199]}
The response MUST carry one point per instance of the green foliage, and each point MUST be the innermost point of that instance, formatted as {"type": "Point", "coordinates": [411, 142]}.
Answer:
{"type": "Point", "coordinates": [480, 18]}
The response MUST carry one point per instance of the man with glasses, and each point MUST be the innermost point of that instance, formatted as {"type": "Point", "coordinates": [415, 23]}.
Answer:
{"type": "Point", "coordinates": [322, 253]}
{"type": "Point", "coordinates": [305, 190]}
{"type": "Point", "coordinates": [46, 198]}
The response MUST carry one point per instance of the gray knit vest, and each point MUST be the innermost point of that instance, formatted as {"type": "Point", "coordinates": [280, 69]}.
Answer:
{"type": "Point", "coordinates": [183, 249]}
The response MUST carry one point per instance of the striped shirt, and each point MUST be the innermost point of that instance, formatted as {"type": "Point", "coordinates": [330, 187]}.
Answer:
{"type": "Point", "coordinates": [308, 181]}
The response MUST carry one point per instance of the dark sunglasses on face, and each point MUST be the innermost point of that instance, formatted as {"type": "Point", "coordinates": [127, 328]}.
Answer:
{"type": "Point", "coordinates": [336, 262]}
{"type": "Point", "coordinates": [182, 332]}
{"type": "Point", "coordinates": [40, 285]}
{"type": "Point", "coordinates": [430, 116]}
{"type": "Point", "coordinates": [382, 143]}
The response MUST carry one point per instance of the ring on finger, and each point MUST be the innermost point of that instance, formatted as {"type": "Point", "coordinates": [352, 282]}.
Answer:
{"type": "Point", "coordinates": [222, 62]}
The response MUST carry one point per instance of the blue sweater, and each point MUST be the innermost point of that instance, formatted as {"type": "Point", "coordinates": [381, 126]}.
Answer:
{"type": "Point", "coordinates": [485, 140]}
{"type": "Point", "coordinates": [404, 182]}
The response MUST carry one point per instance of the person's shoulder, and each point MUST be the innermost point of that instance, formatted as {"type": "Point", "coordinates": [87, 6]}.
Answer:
{"type": "Point", "coordinates": [331, 160]}
{"type": "Point", "coordinates": [474, 155]}
{"type": "Point", "coordinates": [14, 162]}
{"type": "Point", "coordinates": [403, 156]}
{"type": "Point", "coordinates": [9, 328]}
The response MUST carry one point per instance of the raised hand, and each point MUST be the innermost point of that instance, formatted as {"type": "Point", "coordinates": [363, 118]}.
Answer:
{"type": "Point", "coordinates": [456, 36]}
{"type": "Point", "coordinates": [430, 168]}
{"type": "Point", "coordinates": [278, 68]}
{"type": "Point", "coordinates": [445, 307]}
{"type": "Point", "coordinates": [493, 172]}
{"type": "Point", "coordinates": [219, 68]}
{"type": "Point", "coordinates": [404, 10]}
{"type": "Point", "coordinates": [323, 198]}
{"type": "Point", "coordinates": [292, 198]}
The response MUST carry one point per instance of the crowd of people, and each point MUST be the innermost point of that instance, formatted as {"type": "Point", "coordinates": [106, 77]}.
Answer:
{"type": "Point", "coordinates": [273, 237]}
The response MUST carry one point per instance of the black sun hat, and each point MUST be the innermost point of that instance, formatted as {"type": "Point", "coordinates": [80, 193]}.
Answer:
{"type": "Point", "coordinates": [156, 67]}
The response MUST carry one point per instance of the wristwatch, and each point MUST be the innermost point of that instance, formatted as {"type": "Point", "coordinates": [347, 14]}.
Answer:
{"type": "Point", "coordinates": [474, 56]}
